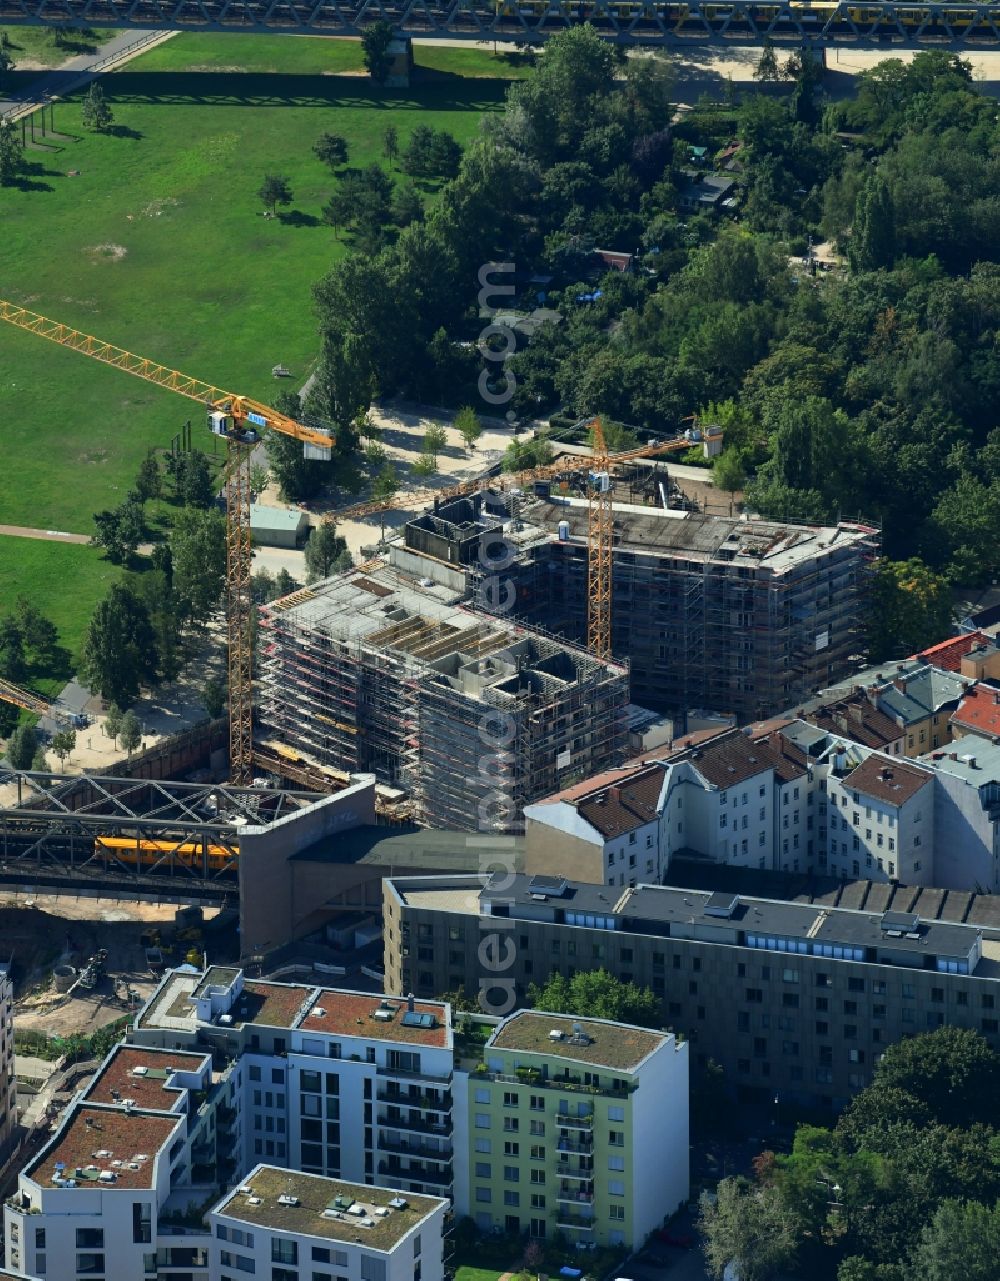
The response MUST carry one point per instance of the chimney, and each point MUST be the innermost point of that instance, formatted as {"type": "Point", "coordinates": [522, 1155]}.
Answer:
{"type": "Point", "coordinates": [615, 791]}
{"type": "Point", "coordinates": [410, 1004]}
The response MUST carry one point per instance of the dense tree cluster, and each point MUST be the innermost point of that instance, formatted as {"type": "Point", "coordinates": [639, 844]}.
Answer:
{"type": "Point", "coordinates": [870, 390]}
{"type": "Point", "coordinates": [907, 1184]}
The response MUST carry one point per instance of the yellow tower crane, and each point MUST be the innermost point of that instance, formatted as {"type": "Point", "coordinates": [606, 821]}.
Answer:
{"type": "Point", "coordinates": [236, 419]}
{"type": "Point", "coordinates": [600, 545]}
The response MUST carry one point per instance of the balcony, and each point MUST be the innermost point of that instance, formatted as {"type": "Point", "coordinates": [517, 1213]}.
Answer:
{"type": "Point", "coordinates": [583, 1144]}
{"type": "Point", "coordinates": [535, 1080]}
{"type": "Point", "coordinates": [404, 1074]}
{"type": "Point", "coordinates": [564, 1121]}
{"type": "Point", "coordinates": [422, 1151]}
{"type": "Point", "coordinates": [569, 1171]}
{"type": "Point", "coordinates": [577, 1222]}
{"type": "Point", "coordinates": [436, 1101]}
{"type": "Point", "coordinates": [576, 1196]}
{"type": "Point", "coordinates": [417, 1124]}
{"type": "Point", "coordinates": [416, 1174]}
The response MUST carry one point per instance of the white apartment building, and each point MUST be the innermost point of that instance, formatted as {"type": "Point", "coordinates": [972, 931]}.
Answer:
{"type": "Point", "coordinates": [288, 1226]}
{"type": "Point", "coordinates": [332, 1082]}
{"type": "Point", "coordinates": [796, 798]}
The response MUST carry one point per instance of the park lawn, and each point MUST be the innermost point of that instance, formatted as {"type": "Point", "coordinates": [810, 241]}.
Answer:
{"type": "Point", "coordinates": [317, 55]}
{"type": "Point", "coordinates": [65, 580]}
{"type": "Point", "coordinates": [159, 246]}
{"type": "Point", "coordinates": [38, 44]}
{"type": "Point", "coordinates": [477, 1274]}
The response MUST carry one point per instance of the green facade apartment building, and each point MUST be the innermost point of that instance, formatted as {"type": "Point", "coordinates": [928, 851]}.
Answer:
{"type": "Point", "coordinates": [576, 1127]}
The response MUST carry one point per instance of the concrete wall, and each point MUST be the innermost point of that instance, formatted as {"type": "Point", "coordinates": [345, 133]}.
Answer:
{"type": "Point", "coordinates": [965, 840]}
{"type": "Point", "coordinates": [551, 851]}
{"type": "Point", "coordinates": [269, 908]}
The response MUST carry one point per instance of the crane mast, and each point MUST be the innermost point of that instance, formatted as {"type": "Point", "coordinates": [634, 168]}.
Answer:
{"type": "Point", "coordinates": [600, 543]}
{"type": "Point", "coordinates": [235, 418]}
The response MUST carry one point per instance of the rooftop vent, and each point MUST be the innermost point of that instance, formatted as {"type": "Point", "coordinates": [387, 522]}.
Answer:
{"type": "Point", "coordinates": [383, 1016]}
{"type": "Point", "coordinates": [226, 1020]}
{"type": "Point", "coordinates": [140, 1070]}
{"type": "Point", "coordinates": [722, 905]}
{"type": "Point", "coordinates": [557, 1034]}
{"type": "Point", "coordinates": [287, 1199]}
{"type": "Point", "coordinates": [398, 1203]}
{"type": "Point", "coordinates": [899, 923]}
{"type": "Point", "coordinates": [319, 1012]}
{"type": "Point", "coordinates": [255, 1200]}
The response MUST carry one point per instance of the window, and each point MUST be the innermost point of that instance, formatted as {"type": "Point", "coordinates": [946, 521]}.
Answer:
{"type": "Point", "coordinates": [537, 1103]}
{"type": "Point", "coordinates": [510, 1124]}
{"type": "Point", "coordinates": [482, 1120]}
{"type": "Point", "coordinates": [510, 1099]}
{"type": "Point", "coordinates": [483, 1195]}
{"type": "Point", "coordinates": [512, 1149]}
{"type": "Point", "coordinates": [484, 1145]}
{"type": "Point", "coordinates": [484, 1170]}
{"type": "Point", "coordinates": [511, 1174]}
{"type": "Point", "coordinates": [511, 1198]}
{"type": "Point", "coordinates": [142, 1222]}
{"type": "Point", "coordinates": [616, 1163]}
{"type": "Point", "coordinates": [537, 1177]}
{"type": "Point", "coordinates": [90, 1238]}
{"type": "Point", "coordinates": [616, 1212]}
{"type": "Point", "coordinates": [616, 1114]}
{"type": "Point", "coordinates": [616, 1138]}
{"type": "Point", "coordinates": [482, 1096]}
{"type": "Point", "coordinates": [616, 1187]}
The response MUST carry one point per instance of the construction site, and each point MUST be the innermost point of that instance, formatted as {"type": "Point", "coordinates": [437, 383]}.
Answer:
{"type": "Point", "coordinates": [730, 615]}
{"type": "Point", "coordinates": [382, 673]}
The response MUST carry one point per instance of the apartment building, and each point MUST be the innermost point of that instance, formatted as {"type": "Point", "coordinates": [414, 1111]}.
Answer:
{"type": "Point", "coordinates": [576, 1127]}
{"type": "Point", "coordinates": [8, 1081]}
{"type": "Point", "coordinates": [104, 1198]}
{"type": "Point", "coordinates": [790, 999]}
{"type": "Point", "coordinates": [290, 1226]}
{"type": "Point", "coordinates": [338, 1083]}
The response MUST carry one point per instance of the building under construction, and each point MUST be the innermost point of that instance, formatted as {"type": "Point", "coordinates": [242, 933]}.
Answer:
{"type": "Point", "coordinates": [377, 672]}
{"type": "Point", "coordinates": [730, 615]}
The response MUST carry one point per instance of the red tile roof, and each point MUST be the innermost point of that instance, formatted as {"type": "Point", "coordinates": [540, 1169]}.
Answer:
{"type": "Point", "coordinates": [350, 1014]}
{"type": "Point", "coordinates": [892, 781]}
{"type": "Point", "coordinates": [857, 719]}
{"type": "Point", "coordinates": [949, 654]}
{"type": "Point", "coordinates": [149, 1089]}
{"type": "Point", "coordinates": [979, 710]}
{"type": "Point", "coordinates": [117, 1135]}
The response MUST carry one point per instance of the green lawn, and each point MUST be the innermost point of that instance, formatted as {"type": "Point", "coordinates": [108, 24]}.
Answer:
{"type": "Point", "coordinates": [477, 1274]}
{"type": "Point", "coordinates": [159, 246]}
{"type": "Point", "coordinates": [66, 580]}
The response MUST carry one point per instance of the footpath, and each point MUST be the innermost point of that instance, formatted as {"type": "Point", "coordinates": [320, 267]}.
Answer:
{"type": "Point", "coordinates": [80, 70]}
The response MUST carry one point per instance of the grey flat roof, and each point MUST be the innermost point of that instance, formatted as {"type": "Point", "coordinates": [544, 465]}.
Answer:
{"type": "Point", "coordinates": [643, 909]}
{"type": "Point", "coordinates": [274, 518]}
{"type": "Point", "coordinates": [407, 846]}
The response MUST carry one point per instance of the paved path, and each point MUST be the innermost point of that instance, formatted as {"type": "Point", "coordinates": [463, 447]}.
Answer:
{"type": "Point", "coordinates": [46, 535]}
{"type": "Point", "coordinates": [77, 71]}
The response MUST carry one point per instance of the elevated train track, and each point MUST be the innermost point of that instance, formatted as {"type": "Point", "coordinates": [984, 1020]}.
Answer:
{"type": "Point", "coordinates": [637, 22]}
{"type": "Point", "coordinates": [135, 831]}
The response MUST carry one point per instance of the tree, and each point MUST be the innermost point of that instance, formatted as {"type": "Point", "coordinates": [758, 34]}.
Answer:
{"type": "Point", "coordinates": [728, 473]}
{"type": "Point", "coordinates": [962, 1240]}
{"type": "Point", "coordinates": [113, 722]}
{"type": "Point", "coordinates": [435, 439]}
{"type": "Point", "coordinates": [952, 1071]}
{"type": "Point", "coordinates": [11, 154]}
{"type": "Point", "coordinates": [119, 652]}
{"type": "Point", "coordinates": [909, 609]}
{"type": "Point", "coordinates": [426, 465]}
{"type": "Point", "coordinates": [331, 148]}
{"type": "Point", "coordinates": [198, 548]}
{"type": "Point", "coordinates": [13, 666]}
{"type": "Point", "coordinates": [407, 207]}
{"type": "Point", "coordinates": [21, 747]}
{"type": "Point", "coordinates": [274, 190]}
{"type": "Point", "coordinates": [324, 552]}
{"type": "Point", "coordinates": [193, 483]}
{"type": "Point", "coordinates": [9, 716]}
{"type": "Point", "coordinates": [873, 234]}
{"type": "Point", "coordinates": [39, 763]}
{"type": "Point", "coordinates": [597, 994]}
{"type": "Point", "coordinates": [375, 42]}
{"type": "Point", "coordinates": [213, 697]}
{"type": "Point", "coordinates": [417, 158]}
{"type": "Point", "coordinates": [96, 113]}
{"type": "Point", "coordinates": [468, 426]}
{"type": "Point", "coordinates": [284, 584]}
{"type": "Point", "coordinates": [119, 531]}
{"type": "Point", "coordinates": [7, 63]}
{"type": "Point", "coordinates": [148, 481]}
{"type": "Point", "coordinates": [748, 1229]}
{"type": "Point", "coordinates": [259, 479]}
{"type": "Point", "coordinates": [767, 65]}
{"type": "Point", "coordinates": [131, 732]}
{"type": "Point", "coordinates": [390, 143]}
{"type": "Point", "coordinates": [297, 477]}
{"type": "Point", "coordinates": [384, 490]}
{"type": "Point", "coordinates": [63, 743]}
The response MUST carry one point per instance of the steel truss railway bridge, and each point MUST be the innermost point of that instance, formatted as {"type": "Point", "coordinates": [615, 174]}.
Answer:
{"type": "Point", "coordinates": [69, 829]}
{"type": "Point", "coordinates": [636, 22]}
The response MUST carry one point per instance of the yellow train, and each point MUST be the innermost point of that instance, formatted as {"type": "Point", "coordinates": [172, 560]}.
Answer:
{"type": "Point", "coordinates": [146, 853]}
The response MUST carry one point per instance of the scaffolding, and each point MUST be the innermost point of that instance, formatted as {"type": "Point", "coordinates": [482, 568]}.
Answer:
{"type": "Point", "coordinates": [450, 705]}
